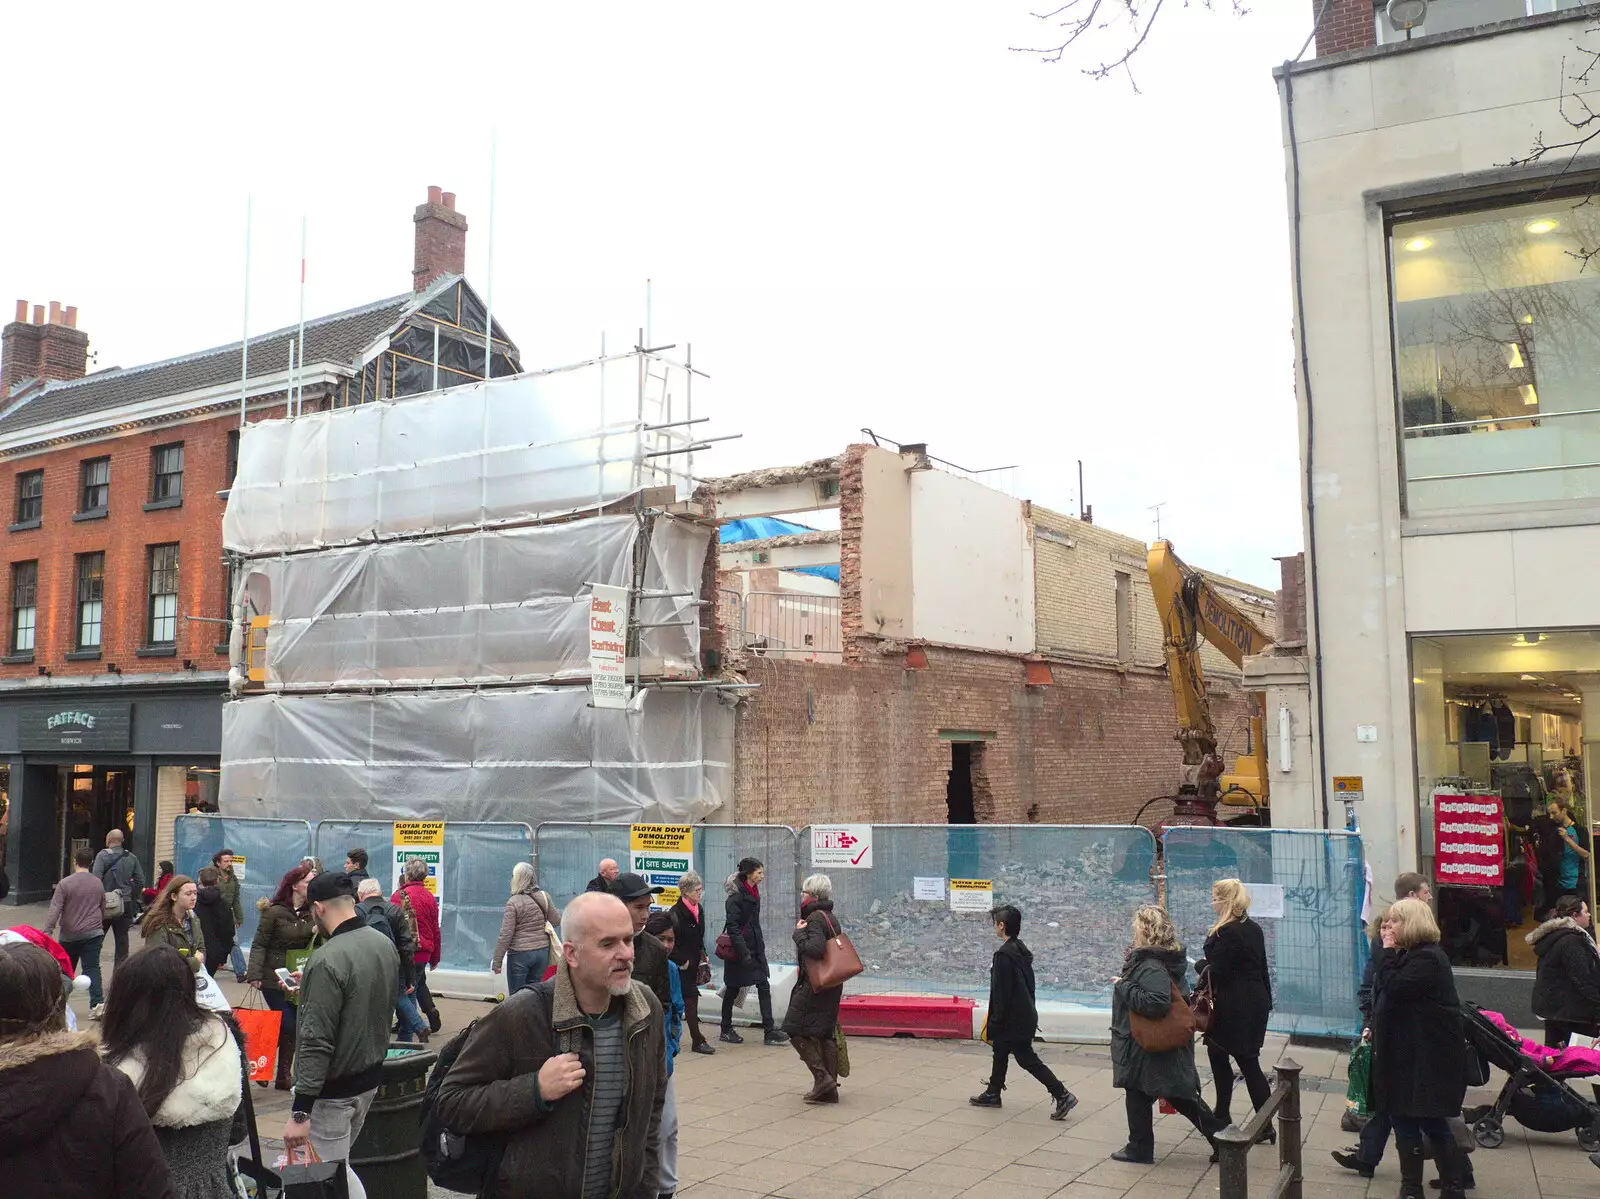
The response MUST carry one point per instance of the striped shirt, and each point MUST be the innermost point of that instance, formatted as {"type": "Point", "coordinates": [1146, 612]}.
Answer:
{"type": "Point", "coordinates": [608, 1072]}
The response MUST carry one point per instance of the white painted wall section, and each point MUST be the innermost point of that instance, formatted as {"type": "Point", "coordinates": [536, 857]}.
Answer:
{"type": "Point", "coordinates": [971, 565]}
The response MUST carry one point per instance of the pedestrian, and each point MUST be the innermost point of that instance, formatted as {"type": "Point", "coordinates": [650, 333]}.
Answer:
{"type": "Point", "coordinates": [118, 870]}
{"type": "Point", "coordinates": [228, 881]}
{"type": "Point", "coordinates": [1154, 966]}
{"type": "Point", "coordinates": [605, 875]}
{"type": "Point", "coordinates": [347, 995]}
{"type": "Point", "coordinates": [660, 926]}
{"type": "Point", "coordinates": [689, 954]}
{"type": "Point", "coordinates": [749, 965]}
{"type": "Point", "coordinates": [523, 947]}
{"type": "Point", "coordinates": [414, 897]}
{"type": "Point", "coordinates": [171, 921]}
{"type": "Point", "coordinates": [1365, 1156]}
{"type": "Point", "coordinates": [812, 1016]}
{"type": "Point", "coordinates": [71, 1127]}
{"type": "Point", "coordinates": [285, 925]}
{"type": "Point", "coordinates": [1572, 868]}
{"type": "Point", "coordinates": [186, 1064]}
{"type": "Point", "coordinates": [1014, 1017]}
{"type": "Point", "coordinates": [1235, 967]}
{"type": "Point", "coordinates": [1418, 1064]}
{"type": "Point", "coordinates": [389, 920]}
{"type": "Point", "coordinates": [571, 1072]}
{"type": "Point", "coordinates": [216, 918]}
{"type": "Point", "coordinates": [355, 865]}
{"type": "Point", "coordinates": [164, 872]}
{"type": "Point", "coordinates": [78, 905]}
{"type": "Point", "coordinates": [650, 963]}
{"type": "Point", "coordinates": [1566, 989]}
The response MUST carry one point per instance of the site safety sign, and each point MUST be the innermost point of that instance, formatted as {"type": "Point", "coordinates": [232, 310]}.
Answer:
{"type": "Point", "coordinates": [662, 854]}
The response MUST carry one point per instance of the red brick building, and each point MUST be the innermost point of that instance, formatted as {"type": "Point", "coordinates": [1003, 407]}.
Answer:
{"type": "Point", "coordinates": [114, 589]}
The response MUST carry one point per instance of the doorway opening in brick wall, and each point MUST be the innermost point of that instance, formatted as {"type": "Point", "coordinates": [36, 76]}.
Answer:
{"type": "Point", "coordinates": [967, 796]}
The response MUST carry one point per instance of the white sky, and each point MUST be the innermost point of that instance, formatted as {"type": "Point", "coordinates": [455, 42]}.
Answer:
{"type": "Point", "coordinates": [863, 214]}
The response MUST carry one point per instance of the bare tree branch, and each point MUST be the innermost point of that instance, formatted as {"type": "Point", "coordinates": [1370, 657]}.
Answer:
{"type": "Point", "coordinates": [1089, 20]}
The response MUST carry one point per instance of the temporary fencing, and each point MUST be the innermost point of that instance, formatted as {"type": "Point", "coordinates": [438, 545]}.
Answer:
{"type": "Point", "coordinates": [1077, 887]}
{"type": "Point", "coordinates": [474, 877]}
{"type": "Point", "coordinates": [1314, 880]}
{"type": "Point", "coordinates": [269, 849]}
{"type": "Point", "coordinates": [569, 854]}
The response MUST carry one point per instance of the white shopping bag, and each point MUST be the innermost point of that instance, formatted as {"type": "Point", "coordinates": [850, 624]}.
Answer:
{"type": "Point", "coordinates": [208, 994]}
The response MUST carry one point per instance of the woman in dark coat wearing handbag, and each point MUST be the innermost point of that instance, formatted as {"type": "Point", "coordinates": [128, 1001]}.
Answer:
{"type": "Point", "coordinates": [1155, 964]}
{"type": "Point", "coordinates": [813, 1015]}
{"type": "Point", "coordinates": [1235, 968]}
{"type": "Point", "coordinates": [1419, 1069]}
{"type": "Point", "coordinates": [689, 952]}
{"type": "Point", "coordinates": [749, 965]}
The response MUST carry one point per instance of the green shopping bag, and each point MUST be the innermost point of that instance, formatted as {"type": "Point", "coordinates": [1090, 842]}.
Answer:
{"type": "Point", "coordinates": [294, 962]}
{"type": "Point", "coordinates": [1355, 1096]}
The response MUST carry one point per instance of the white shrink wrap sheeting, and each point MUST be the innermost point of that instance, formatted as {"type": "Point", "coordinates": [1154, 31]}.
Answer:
{"type": "Point", "coordinates": [507, 754]}
{"type": "Point", "coordinates": [488, 607]}
{"type": "Point", "coordinates": [515, 449]}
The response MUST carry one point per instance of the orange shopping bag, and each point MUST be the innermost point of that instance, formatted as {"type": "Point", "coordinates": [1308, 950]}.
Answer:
{"type": "Point", "coordinates": [260, 1027]}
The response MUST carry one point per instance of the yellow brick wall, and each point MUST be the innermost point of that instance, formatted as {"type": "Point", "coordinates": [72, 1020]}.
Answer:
{"type": "Point", "coordinates": [1076, 590]}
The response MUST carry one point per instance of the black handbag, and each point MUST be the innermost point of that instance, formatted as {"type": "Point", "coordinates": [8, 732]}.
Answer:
{"type": "Point", "coordinates": [316, 1180]}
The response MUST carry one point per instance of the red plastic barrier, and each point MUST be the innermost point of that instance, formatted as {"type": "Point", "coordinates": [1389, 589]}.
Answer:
{"type": "Point", "coordinates": [946, 1018]}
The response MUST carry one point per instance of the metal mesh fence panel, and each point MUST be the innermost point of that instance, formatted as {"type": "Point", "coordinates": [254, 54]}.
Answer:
{"type": "Point", "coordinates": [475, 878]}
{"type": "Point", "coordinates": [569, 854]}
{"type": "Point", "coordinates": [270, 848]}
{"type": "Point", "coordinates": [717, 851]}
{"type": "Point", "coordinates": [1314, 949]}
{"type": "Point", "coordinates": [1077, 887]}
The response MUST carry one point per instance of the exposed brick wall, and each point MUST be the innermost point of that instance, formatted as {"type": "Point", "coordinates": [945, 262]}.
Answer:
{"type": "Point", "coordinates": [829, 742]}
{"type": "Point", "coordinates": [851, 515]}
{"type": "Point", "coordinates": [124, 536]}
{"type": "Point", "coordinates": [441, 239]}
{"type": "Point", "coordinates": [1292, 600]}
{"type": "Point", "coordinates": [1347, 25]}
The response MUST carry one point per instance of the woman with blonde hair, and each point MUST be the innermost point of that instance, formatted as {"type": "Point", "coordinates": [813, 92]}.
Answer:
{"type": "Point", "coordinates": [524, 945]}
{"type": "Point", "coordinates": [1418, 1063]}
{"type": "Point", "coordinates": [1235, 967]}
{"type": "Point", "coordinates": [1154, 968]}
{"type": "Point", "coordinates": [171, 921]}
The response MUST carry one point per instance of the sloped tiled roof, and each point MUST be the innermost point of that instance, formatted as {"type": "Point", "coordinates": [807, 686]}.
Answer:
{"type": "Point", "coordinates": [340, 338]}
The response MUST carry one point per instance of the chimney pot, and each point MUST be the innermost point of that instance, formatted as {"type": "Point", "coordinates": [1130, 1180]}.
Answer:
{"type": "Point", "coordinates": [450, 201]}
{"type": "Point", "coordinates": [22, 312]}
{"type": "Point", "coordinates": [441, 240]}
{"type": "Point", "coordinates": [38, 314]}
{"type": "Point", "coordinates": [435, 195]}
{"type": "Point", "coordinates": [55, 312]}
{"type": "Point", "coordinates": [69, 316]}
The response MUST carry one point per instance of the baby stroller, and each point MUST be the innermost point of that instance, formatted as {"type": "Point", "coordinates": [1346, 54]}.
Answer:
{"type": "Point", "coordinates": [1536, 1094]}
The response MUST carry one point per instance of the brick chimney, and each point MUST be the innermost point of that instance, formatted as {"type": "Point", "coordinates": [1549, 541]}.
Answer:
{"type": "Point", "coordinates": [46, 347]}
{"type": "Point", "coordinates": [1347, 25]}
{"type": "Point", "coordinates": [441, 239]}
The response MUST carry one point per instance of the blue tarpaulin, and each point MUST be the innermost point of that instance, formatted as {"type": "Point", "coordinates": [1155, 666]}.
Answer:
{"type": "Point", "coordinates": [758, 528]}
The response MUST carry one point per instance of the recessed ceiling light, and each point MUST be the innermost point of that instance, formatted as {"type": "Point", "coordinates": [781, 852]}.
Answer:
{"type": "Point", "coordinates": [1543, 225]}
{"type": "Point", "coordinates": [1417, 244]}
{"type": "Point", "coordinates": [1532, 638]}
{"type": "Point", "coordinates": [1530, 678]}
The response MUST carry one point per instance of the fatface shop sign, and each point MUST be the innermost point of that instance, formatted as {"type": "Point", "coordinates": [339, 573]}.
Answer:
{"type": "Point", "coordinates": [70, 727]}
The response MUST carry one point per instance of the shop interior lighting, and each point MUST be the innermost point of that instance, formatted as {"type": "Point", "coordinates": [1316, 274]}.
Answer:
{"type": "Point", "coordinates": [1418, 244]}
{"type": "Point", "coordinates": [1514, 359]}
{"type": "Point", "coordinates": [1533, 638]}
{"type": "Point", "coordinates": [1543, 225]}
{"type": "Point", "coordinates": [1530, 396]}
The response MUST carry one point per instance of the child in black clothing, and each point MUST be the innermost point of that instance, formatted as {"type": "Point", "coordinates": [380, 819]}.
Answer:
{"type": "Point", "coordinates": [1014, 1018]}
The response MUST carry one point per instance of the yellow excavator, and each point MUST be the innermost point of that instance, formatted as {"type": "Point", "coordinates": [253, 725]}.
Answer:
{"type": "Point", "coordinates": [1191, 607]}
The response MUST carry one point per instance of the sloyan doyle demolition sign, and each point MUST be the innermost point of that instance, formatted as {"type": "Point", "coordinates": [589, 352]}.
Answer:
{"type": "Point", "coordinates": [662, 853]}
{"type": "Point", "coordinates": [420, 839]}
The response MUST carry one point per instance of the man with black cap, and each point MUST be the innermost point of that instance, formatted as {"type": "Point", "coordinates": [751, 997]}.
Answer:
{"type": "Point", "coordinates": [650, 960]}
{"type": "Point", "coordinates": [347, 996]}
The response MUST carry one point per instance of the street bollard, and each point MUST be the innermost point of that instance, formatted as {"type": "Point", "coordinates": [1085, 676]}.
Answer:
{"type": "Point", "coordinates": [1234, 1144]}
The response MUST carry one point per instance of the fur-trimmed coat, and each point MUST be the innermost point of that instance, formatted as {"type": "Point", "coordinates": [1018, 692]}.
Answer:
{"type": "Point", "coordinates": [72, 1127]}
{"type": "Point", "coordinates": [1567, 987]}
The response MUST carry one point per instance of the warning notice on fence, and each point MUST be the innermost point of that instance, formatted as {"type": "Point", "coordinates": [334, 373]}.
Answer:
{"type": "Point", "coordinates": [971, 895]}
{"type": "Point", "coordinates": [842, 846]}
{"type": "Point", "coordinates": [420, 839]}
{"type": "Point", "coordinates": [1468, 840]}
{"type": "Point", "coordinates": [662, 854]}
{"type": "Point", "coordinates": [661, 838]}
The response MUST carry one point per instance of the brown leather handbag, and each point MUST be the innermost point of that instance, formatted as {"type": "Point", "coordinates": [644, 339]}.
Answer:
{"type": "Point", "coordinates": [1172, 1031]}
{"type": "Point", "coordinates": [839, 962]}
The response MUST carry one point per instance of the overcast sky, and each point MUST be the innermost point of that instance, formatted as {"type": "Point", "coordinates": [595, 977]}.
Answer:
{"type": "Point", "coordinates": [860, 214]}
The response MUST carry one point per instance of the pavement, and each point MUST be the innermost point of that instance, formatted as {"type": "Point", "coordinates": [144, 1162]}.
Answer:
{"type": "Point", "coordinates": [903, 1128]}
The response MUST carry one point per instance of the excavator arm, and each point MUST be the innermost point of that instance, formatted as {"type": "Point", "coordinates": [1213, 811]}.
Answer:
{"type": "Point", "coordinates": [1190, 608]}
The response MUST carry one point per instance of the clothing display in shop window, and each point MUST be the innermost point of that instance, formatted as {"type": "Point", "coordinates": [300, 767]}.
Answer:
{"type": "Point", "coordinates": [1479, 724]}
{"type": "Point", "coordinates": [1505, 727]}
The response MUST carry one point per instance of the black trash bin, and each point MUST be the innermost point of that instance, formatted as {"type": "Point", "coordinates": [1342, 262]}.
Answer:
{"type": "Point", "coordinates": [385, 1156]}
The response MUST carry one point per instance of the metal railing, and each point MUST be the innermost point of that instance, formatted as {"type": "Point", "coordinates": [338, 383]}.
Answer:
{"type": "Point", "coordinates": [1234, 1143]}
{"type": "Point", "coordinates": [788, 624]}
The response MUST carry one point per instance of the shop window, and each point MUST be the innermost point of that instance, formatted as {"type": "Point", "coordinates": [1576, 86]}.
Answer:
{"type": "Point", "coordinates": [94, 495]}
{"type": "Point", "coordinates": [30, 497]}
{"type": "Point", "coordinates": [24, 605]}
{"type": "Point", "coordinates": [166, 474]}
{"type": "Point", "coordinates": [1497, 328]}
{"type": "Point", "coordinates": [91, 600]}
{"type": "Point", "coordinates": [231, 470]}
{"type": "Point", "coordinates": [162, 623]}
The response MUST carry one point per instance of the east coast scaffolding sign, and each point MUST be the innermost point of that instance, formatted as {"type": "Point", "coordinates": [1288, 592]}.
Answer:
{"type": "Point", "coordinates": [608, 646]}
